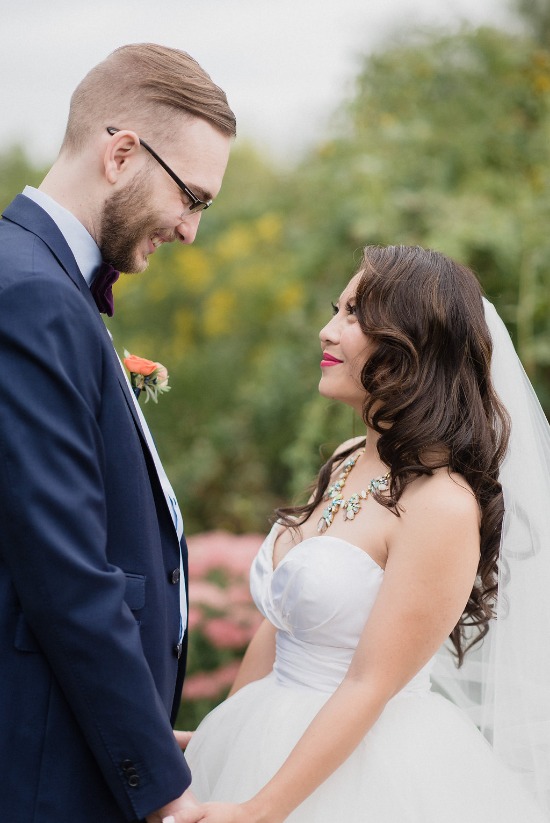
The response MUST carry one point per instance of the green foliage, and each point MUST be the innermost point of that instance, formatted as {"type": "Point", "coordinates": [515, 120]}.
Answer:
{"type": "Point", "coordinates": [536, 16]}
{"type": "Point", "coordinates": [16, 171]}
{"type": "Point", "coordinates": [445, 143]}
{"type": "Point", "coordinates": [453, 135]}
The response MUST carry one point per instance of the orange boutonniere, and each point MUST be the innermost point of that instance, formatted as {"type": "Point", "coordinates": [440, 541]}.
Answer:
{"type": "Point", "coordinates": [147, 376]}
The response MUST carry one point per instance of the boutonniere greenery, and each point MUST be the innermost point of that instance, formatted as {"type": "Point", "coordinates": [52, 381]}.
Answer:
{"type": "Point", "coordinates": [146, 376]}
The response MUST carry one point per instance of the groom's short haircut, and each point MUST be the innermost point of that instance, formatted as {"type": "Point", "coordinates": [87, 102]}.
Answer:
{"type": "Point", "coordinates": [142, 87]}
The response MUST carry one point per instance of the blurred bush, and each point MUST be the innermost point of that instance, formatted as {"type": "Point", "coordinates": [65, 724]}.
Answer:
{"type": "Point", "coordinates": [444, 143]}
{"type": "Point", "coordinates": [222, 618]}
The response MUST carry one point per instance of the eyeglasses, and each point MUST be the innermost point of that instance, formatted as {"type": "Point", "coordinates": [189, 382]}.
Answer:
{"type": "Point", "coordinates": [196, 204]}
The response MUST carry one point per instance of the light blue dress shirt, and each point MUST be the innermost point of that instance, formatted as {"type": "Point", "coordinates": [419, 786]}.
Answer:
{"type": "Point", "coordinates": [80, 241]}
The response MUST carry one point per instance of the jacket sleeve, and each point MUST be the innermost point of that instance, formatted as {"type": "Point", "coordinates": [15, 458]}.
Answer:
{"type": "Point", "coordinates": [54, 539]}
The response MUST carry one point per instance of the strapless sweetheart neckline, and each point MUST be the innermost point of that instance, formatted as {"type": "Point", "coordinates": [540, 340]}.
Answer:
{"type": "Point", "coordinates": [322, 537]}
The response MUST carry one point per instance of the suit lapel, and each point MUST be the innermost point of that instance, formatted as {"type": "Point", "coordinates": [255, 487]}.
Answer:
{"type": "Point", "coordinates": [126, 391]}
{"type": "Point", "coordinates": [31, 217]}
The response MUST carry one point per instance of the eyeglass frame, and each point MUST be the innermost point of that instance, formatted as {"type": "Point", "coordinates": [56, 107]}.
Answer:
{"type": "Point", "coordinates": [197, 204]}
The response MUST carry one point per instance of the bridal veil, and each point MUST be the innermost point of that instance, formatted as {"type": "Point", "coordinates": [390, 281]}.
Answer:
{"type": "Point", "coordinates": [505, 681]}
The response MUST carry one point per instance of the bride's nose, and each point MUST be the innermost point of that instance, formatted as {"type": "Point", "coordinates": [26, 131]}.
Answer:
{"type": "Point", "coordinates": [329, 333]}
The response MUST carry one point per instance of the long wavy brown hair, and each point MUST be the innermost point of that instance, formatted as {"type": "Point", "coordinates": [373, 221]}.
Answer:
{"type": "Point", "coordinates": [429, 395]}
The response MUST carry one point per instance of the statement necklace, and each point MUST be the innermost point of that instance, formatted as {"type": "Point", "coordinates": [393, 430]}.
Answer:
{"type": "Point", "coordinates": [352, 505]}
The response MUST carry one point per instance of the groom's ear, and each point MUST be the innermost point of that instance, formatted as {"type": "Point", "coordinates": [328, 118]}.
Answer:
{"type": "Point", "coordinates": [122, 156]}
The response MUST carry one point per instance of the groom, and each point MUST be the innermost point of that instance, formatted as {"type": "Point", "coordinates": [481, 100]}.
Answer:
{"type": "Point", "coordinates": [91, 547]}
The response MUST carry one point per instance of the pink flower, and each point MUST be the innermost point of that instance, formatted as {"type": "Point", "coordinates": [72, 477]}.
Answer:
{"type": "Point", "coordinates": [222, 550]}
{"type": "Point", "coordinates": [203, 593]}
{"type": "Point", "coordinates": [224, 634]}
{"type": "Point", "coordinates": [222, 614]}
{"type": "Point", "coordinates": [161, 375]}
{"type": "Point", "coordinates": [210, 684]}
{"type": "Point", "coordinates": [245, 614]}
{"type": "Point", "coordinates": [238, 593]}
{"type": "Point", "coordinates": [200, 685]}
{"type": "Point", "coordinates": [194, 618]}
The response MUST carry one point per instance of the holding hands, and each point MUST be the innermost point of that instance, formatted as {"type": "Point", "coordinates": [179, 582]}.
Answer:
{"type": "Point", "coordinates": [182, 738]}
{"type": "Point", "coordinates": [214, 813]}
{"type": "Point", "coordinates": [187, 810]}
{"type": "Point", "coordinates": [227, 813]}
{"type": "Point", "coordinates": [184, 809]}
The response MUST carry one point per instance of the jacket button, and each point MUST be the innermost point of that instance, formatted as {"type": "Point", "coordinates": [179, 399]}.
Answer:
{"type": "Point", "coordinates": [127, 765]}
{"type": "Point", "coordinates": [133, 781]}
{"type": "Point", "coordinates": [175, 576]}
{"type": "Point", "coordinates": [178, 649]}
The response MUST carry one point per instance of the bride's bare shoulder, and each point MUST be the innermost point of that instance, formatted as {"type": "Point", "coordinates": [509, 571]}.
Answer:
{"type": "Point", "coordinates": [352, 443]}
{"type": "Point", "coordinates": [442, 493]}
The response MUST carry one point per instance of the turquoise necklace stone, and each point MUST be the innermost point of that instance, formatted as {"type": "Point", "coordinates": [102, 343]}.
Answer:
{"type": "Point", "coordinates": [352, 505]}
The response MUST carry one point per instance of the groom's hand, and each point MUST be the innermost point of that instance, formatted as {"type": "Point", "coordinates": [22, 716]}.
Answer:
{"type": "Point", "coordinates": [183, 810]}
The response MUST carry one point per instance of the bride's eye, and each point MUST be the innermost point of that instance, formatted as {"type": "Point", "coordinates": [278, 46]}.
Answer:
{"type": "Point", "coordinates": [351, 308]}
{"type": "Point", "coordinates": [334, 308]}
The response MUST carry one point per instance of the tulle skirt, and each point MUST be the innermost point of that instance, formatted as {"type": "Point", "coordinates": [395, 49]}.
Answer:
{"type": "Point", "coordinates": [422, 762]}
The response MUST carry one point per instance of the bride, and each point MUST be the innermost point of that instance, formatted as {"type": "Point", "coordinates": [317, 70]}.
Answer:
{"type": "Point", "coordinates": [332, 717]}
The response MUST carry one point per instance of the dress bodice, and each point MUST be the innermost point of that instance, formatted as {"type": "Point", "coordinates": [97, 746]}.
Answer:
{"type": "Point", "coordinates": [319, 598]}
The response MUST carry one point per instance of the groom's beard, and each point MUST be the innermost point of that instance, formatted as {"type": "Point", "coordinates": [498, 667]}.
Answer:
{"type": "Point", "coordinates": [126, 225]}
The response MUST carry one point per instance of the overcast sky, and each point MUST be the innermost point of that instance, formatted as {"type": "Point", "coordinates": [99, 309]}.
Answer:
{"type": "Point", "coordinates": [284, 64]}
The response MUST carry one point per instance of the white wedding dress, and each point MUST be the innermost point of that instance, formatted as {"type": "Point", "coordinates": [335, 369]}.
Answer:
{"type": "Point", "coordinates": [423, 761]}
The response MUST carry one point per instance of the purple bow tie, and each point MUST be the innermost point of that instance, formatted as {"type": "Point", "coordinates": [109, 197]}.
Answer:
{"type": "Point", "coordinates": [102, 288]}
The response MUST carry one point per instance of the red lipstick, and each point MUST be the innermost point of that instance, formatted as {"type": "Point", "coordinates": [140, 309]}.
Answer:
{"type": "Point", "coordinates": [329, 360]}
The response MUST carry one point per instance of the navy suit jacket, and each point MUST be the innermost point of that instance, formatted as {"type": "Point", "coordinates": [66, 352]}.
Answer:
{"type": "Point", "coordinates": [89, 612]}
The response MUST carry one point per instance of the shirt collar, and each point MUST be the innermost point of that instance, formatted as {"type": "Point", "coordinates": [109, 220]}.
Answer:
{"type": "Point", "coordinates": [80, 241]}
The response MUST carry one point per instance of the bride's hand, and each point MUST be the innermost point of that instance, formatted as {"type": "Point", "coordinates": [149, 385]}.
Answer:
{"type": "Point", "coordinates": [183, 738]}
{"type": "Point", "coordinates": [226, 813]}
